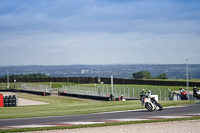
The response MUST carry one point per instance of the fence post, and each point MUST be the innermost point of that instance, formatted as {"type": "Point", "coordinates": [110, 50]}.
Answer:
{"type": "Point", "coordinates": [164, 95]}
{"type": "Point", "coordinates": [124, 91]}
{"type": "Point", "coordinates": [160, 94]}
{"type": "Point", "coordinates": [128, 92]}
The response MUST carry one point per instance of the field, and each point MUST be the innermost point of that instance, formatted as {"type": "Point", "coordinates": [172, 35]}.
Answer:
{"type": "Point", "coordinates": [60, 105]}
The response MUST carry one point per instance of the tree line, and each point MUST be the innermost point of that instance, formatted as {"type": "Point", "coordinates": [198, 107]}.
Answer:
{"type": "Point", "coordinates": [147, 75]}
{"type": "Point", "coordinates": [34, 75]}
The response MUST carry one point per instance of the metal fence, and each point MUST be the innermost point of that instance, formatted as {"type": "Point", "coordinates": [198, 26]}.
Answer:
{"type": "Point", "coordinates": [3, 86]}
{"type": "Point", "coordinates": [36, 87]}
{"type": "Point", "coordinates": [105, 91]}
{"type": "Point", "coordinates": [97, 90]}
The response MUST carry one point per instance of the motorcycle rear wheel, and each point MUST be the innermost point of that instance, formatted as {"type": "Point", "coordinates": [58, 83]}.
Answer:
{"type": "Point", "coordinates": [160, 107]}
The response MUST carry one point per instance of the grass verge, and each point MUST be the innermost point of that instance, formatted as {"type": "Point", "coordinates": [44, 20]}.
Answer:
{"type": "Point", "coordinates": [60, 106]}
{"type": "Point", "coordinates": [97, 125]}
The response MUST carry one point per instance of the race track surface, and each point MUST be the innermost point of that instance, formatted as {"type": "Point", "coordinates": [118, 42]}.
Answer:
{"type": "Point", "coordinates": [131, 114]}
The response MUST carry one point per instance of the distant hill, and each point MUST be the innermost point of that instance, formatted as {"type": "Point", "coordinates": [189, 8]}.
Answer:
{"type": "Point", "coordinates": [173, 71]}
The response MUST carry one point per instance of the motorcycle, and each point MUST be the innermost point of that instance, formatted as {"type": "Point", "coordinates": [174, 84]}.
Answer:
{"type": "Point", "coordinates": [197, 94]}
{"type": "Point", "coordinates": [183, 95]}
{"type": "Point", "coordinates": [151, 103]}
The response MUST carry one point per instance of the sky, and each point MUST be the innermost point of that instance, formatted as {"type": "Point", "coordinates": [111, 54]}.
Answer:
{"type": "Point", "coordinates": [66, 32]}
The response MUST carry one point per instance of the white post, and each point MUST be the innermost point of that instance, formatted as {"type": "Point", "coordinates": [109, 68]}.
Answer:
{"type": "Point", "coordinates": [160, 94]}
{"type": "Point", "coordinates": [51, 84]}
{"type": "Point", "coordinates": [187, 78]}
{"type": "Point", "coordinates": [8, 79]}
{"type": "Point", "coordinates": [111, 85]}
{"type": "Point", "coordinates": [128, 92]}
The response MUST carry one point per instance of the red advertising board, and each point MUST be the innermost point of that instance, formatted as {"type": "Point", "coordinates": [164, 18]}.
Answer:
{"type": "Point", "coordinates": [1, 100]}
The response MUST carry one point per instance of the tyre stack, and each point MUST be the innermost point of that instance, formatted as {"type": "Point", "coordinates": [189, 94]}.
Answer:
{"type": "Point", "coordinates": [14, 100]}
{"type": "Point", "coordinates": [5, 101]}
{"type": "Point", "coordinates": [10, 101]}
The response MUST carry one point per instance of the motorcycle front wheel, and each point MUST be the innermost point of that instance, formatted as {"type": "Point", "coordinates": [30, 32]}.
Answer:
{"type": "Point", "coordinates": [149, 106]}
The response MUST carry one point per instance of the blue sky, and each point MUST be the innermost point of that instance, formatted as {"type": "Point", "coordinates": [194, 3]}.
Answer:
{"type": "Point", "coordinates": [64, 32]}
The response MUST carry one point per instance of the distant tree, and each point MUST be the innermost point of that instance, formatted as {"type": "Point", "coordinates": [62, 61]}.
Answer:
{"type": "Point", "coordinates": [162, 76]}
{"type": "Point", "coordinates": [34, 75]}
{"type": "Point", "coordinates": [142, 75]}
{"type": "Point", "coordinates": [147, 75]}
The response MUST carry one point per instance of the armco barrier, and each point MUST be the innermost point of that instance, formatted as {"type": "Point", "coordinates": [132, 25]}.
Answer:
{"type": "Point", "coordinates": [89, 97]}
{"type": "Point", "coordinates": [36, 92]}
{"type": "Point", "coordinates": [85, 96]}
{"type": "Point", "coordinates": [27, 91]}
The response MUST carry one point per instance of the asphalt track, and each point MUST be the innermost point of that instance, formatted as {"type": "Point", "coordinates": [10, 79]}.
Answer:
{"type": "Point", "coordinates": [131, 114]}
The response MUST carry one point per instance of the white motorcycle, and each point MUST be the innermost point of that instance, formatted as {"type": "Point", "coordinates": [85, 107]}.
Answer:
{"type": "Point", "coordinates": [151, 103]}
{"type": "Point", "coordinates": [198, 94]}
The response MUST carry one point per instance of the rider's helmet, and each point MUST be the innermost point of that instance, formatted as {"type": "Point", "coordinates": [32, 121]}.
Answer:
{"type": "Point", "coordinates": [143, 90]}
{"type": "Point", "coordinates": [180, 88]}
{"type": "Point", "coordinates": [149, 91]}
{"type": "Point", "coordinates": [195, 87]}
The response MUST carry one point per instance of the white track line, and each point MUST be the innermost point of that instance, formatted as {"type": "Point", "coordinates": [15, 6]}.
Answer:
{"type": "Point", "coordinates": [30, 126]}
{"type": "Point", "coordinates": [168, 117]}
{"type": "Point", "coordinates": [81, 123]}
{"type": "Point", "coordinates": [124, 120]}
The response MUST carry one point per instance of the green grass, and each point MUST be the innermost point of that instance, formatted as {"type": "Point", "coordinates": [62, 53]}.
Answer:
{"type": "Point", "coordinates": [150, 87]}
{"type": "Point", "coordinates": [59, 106]}
{"type": "Point", "coordinates": [53, 84]}
{"type": "Point", "coordinates": [59, 85]}
{"type": "Point", "coordinates": [97, 125]}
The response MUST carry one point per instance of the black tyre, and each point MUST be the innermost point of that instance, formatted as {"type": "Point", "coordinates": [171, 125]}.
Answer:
{"type": "Point", "coordinates": [149, 107]}
{"type": "Point", "coordinates": [160, 107]}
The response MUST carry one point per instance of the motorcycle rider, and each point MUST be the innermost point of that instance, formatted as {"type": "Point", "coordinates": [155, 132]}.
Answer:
{"type": "Point", "coordinates": [195, 91]}
{"type": "Point", "coordinates": [181, 90]}
{"type": "Point", "coordinates": [142, 96]}
{"type": "Point", "coordinates": [150, 93]}
{"type": "Point", "coordinates": [182, 94]}
{"type": "Point", "coordinates": [121, 98]}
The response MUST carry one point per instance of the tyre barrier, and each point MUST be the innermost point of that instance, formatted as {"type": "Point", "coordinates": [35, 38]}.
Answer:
{"type": "Point", "coordinates": [10, 101]}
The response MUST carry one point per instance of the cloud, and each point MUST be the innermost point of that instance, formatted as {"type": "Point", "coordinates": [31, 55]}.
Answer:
{"type": "Point", "coordinates": [95, 32]}
{"type": "Point", "coordinates": [94, 15]}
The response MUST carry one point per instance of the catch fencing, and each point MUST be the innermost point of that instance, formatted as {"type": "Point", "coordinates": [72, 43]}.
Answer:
{"type": "Point", "coordinates": [36, 87]}
{"type": "Point", "coordinates": [105, 91]}
{"type": "Point", "coordinates": [92, 90]}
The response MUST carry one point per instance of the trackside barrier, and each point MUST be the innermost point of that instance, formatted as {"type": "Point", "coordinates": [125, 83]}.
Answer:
{"type": "Point", "coordinates": [105, 91]}
{"type": "Point", "coordinates": [30, 92]}
{"type": "Point", "coordinates": [10, 101]}
{"type": "Point", "coordinates": [38, 89]}
{"type": "Point", "coordinates": [85, 96]}
{"type": "Point", "coordinates": [1, 100]}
